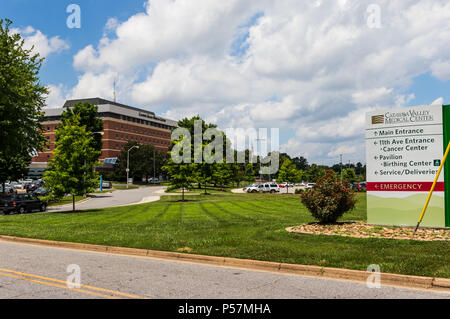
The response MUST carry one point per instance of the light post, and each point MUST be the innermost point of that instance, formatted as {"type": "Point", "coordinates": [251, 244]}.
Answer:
{"type": "Point", "coordinates": [128, 161]}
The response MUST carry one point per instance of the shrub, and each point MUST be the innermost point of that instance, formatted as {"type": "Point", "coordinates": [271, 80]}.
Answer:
{"type": "Point", "coordinates": [298, 191]}
{"type": "Point", "coordinates": [329, 199]}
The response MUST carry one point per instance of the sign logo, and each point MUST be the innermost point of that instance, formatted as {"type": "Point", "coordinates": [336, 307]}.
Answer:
{"type": "Point", "coordinates": [378, 119]}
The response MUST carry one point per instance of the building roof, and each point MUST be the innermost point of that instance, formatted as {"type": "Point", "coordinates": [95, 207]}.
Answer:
{"type": "Point", "coordinates": [100, 101]}
{"type": "Point", "coordinates": [106, 106]}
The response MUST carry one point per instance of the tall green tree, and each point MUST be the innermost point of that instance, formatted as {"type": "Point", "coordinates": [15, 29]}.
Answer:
{"type": "Point", "coordinates": [144, 162]}
{"type": "Point", "coordinates": [314, 172]}
{"type": "Point", "coordinates": [249, 172]}
{"type": "Point", "coordinates": [349, 175]}
{"type": "Point", "coordinates": [88, 115]}
{"type": "Point", "coordinates": [301, 163]}
{"type": "Point", "coordinates": [22, 98]}
{"type": "Point", "coordinates": [222, 174]}
{"type": "Point", "coordinates": [71, 171]}
{"type": "Point", "coordinates": [287, 173]}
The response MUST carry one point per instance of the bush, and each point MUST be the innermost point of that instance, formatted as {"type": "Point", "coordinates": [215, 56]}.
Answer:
{"type": "Point", "coordinates": [298, 191]}
{"type": "Point", "coordinates": [329, 199]}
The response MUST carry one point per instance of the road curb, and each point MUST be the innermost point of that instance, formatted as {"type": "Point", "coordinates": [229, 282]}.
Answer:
{"type": "Point", "coordinates": [408, 281]}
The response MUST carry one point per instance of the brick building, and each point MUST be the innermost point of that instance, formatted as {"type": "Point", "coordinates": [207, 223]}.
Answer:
{"type": "Point", "coordinates": [121, 123]}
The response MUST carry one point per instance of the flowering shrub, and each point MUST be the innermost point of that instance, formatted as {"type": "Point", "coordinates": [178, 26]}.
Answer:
{"type": "Point", "coordinates": [329, 199]}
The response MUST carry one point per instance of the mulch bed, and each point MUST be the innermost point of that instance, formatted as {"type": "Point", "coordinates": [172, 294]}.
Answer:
{"type": "Point", "coordinates": [362, 230]}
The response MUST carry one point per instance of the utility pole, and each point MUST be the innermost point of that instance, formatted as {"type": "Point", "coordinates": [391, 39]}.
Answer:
{"type": "Point", "coordinates": [341, 166]}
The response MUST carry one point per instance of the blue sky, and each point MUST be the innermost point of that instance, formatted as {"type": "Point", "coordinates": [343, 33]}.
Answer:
{"type": "Point", "coordinates": [49, 16]}
{"type": "Point", "coordinates": [295, 65]}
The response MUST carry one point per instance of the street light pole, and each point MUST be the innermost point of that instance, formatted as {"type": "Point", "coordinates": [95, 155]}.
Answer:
{"type": "Point", "coordinates": [128, 161]}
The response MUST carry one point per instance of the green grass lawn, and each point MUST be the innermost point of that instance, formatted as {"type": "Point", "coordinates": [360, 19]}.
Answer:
{"type": "Point", "coordinates": [234, 225]}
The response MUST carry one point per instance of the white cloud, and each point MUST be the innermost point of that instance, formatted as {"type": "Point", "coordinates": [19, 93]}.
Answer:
{"type": "Point", "coordinates": [41, 42]}
{"type": "Point", "coordinates": [441, 70]}
{"type": "Point", "coordinates": [56, 96]}
{"type": "Point", "coordinates": [304, 66]}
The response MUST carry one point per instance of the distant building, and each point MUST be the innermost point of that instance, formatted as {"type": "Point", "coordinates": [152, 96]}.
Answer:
{"type": "Point", "coordinates": [121, 123]}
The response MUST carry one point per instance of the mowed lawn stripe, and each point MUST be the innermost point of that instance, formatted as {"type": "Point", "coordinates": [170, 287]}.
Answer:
{"type": "Point", "coordinates": [267, 209]}
{"type": "Point", "coordinates": [238, 217]}
{"type": "Point", "coordinates": [146, 214]}
{"type": "Point", "coordinates": [211, 211]}
{"type": "Point", "coordinates": [169, 215]}
{"type": "Point", "coordinates": [195, 214]}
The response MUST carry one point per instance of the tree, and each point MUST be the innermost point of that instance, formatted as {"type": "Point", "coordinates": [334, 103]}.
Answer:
{"type": "Point", "coordinates": [88, 115]}
{"type": "Point", "coordinates": [287, 173]}
{"type": "Point", "coordinates": [141, 161]}
{"type": "Point", "coordinates": [71, 171]}
{"type": "Point", "coordinates": [149, 161]}
{"type": "Point", "coordinates": [349, 175]}
{"type": "Point", "coordinates": [222, 174]}
{"type": "Point", "coordinates": [300, 163]}
{"type": "Point", "coordinates": [249, 172]}
{"type": "Point", "coordinates": [181, 175]}
{"type": "Point", "coordinates": [22, 98]}
{"type": "Point", "coordinates": [314, 172]}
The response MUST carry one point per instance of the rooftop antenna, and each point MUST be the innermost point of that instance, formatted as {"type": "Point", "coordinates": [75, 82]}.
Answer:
{"type": "Point", "coordinates": [114, 90]}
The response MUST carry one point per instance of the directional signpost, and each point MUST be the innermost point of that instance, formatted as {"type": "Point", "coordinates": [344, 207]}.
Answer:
{"type": "Point", "coordinates": [404, 149]}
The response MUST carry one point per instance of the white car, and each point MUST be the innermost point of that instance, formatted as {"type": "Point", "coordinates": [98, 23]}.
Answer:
{"type": "Point", "coordinates": [253, 186]}
{"type": "Point", "coordinates": [16, 185]}
{"type": "Point", "coordinates": [310, 185]}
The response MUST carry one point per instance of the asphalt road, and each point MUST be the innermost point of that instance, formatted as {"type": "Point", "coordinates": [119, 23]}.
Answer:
{"type": "Point", "coordinates": [28, 271]}
{"type": "Point", "coordinates": [116, 198]}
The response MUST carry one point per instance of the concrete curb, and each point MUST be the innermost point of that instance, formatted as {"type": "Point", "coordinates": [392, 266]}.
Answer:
{"type": "Point", "coordinates": [387, 279]}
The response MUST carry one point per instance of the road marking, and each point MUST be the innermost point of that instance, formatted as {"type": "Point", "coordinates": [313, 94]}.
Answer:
{"type": "Point", "coordinates": [23, 276]}
{"type": "Point", "coordinates": [56, 285]}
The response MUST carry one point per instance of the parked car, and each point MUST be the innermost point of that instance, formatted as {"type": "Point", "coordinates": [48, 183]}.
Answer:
{"type": "Point", "coordinates": [254, 188]}
{"type": "Point", "coordinates": [31, 187]}
{"type": "Point", "coordinates": [27, 181]}
{"type": "Point", "coordinates": [40, 191]}
{"type": "Point", "coordinates": [263, 188]}
{"type": "Point", "coordinates": [362, 187]}
{"type": "Point", "coordinates": [153, 180]}
{"type": "Point", "coordinates": [273, 188]}
{"type": "Point", "coordinates": [285, 184]}
{"type": "Point", "coordinates": [16, 185]}
{"type": "Point", "coordinates": [310, 185]}
{"type": "Point", "coordinates": [249, 186]}
{"type": "Point", "coordinates": [8, 190]}
{"type": "Point", "coordinates": [106, 185]}
{"type": "Point", "coordinates": [21, 203]}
